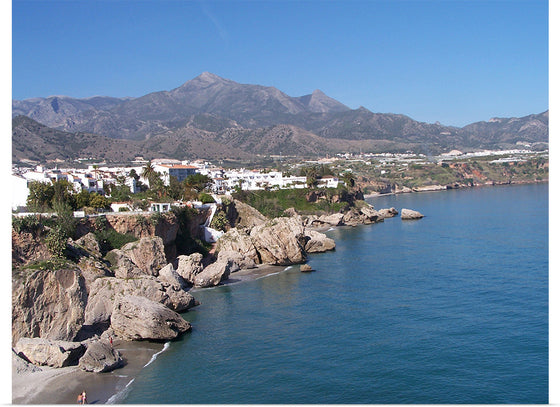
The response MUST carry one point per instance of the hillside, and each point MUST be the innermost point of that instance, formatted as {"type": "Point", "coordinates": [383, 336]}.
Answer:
{"type": "Point", "coordinates": [211, 117]}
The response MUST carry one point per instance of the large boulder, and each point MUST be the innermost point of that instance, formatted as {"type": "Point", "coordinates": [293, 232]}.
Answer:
{"type": "Point", "coordinates": [106, 292]}
{"type": "Point", "coordinates": [318, 242]}
{"type": "Point", "coordinates": [280, 241]}
{"type": "Point", "coordinates": [148, 254]}
{"type": "Point", "coordinates": [189, 266]}
{"type": "Point", "coordinates": [138, 318]}
{"type": "Point", "coordinates": [46, 352]}
{"type": "Point", "coordinates": [362, 215]}
{"type": "Point", "coordinates": [409, 214]}
{"type": "Point", "coordinates": [215, 272]}
{"type": "Point", "coordinates": [336, 219]}
{"type": "Point", "coordinates": [99, 357]}
{"type": "Point", "coordinates": [48, 304]}
{"type": "Point", "coordinates": [243, 262]}
{"type": "Point", "coordinates": [122, 265]}
{"type": "Point", "coordinates": [169, 275]}
{"type": "Point", "coordinates": [388, 212]}
{"type": "Point", "coordinates": [238, 240]}
{"type": "Point", "coordinates": [242, 215]}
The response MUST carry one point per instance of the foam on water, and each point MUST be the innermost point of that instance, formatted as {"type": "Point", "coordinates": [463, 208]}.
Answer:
{"type": "Point", "coordinates": [155, 355]}
{"type": "Point", "coordinates": [120, 395]}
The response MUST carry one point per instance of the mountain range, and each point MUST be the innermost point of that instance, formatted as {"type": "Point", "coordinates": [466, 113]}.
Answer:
{"type": "Point", "coordinates": [212, 117]}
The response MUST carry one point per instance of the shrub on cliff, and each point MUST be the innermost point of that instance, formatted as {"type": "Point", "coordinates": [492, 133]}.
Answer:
{"type": "Point", "coordinates": [56, 241]}
{"type": "Point", "coordinates": [31, 224]}
{"type": "Point", "coordinates": [110, 239]}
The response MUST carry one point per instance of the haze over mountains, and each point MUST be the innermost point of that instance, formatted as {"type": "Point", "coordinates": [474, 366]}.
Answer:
{"type": "Point", "coordinates": [212, 117]}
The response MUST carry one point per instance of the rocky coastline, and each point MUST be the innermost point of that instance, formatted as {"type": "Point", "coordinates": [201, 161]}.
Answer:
{"type": "Point", "coordinates": [71, 319]}
{"type": "Point", "coordinates": [439, 188]}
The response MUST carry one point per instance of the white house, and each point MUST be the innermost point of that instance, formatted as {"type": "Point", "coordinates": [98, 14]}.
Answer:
{"type": "Point", "coordinates": [20, 192]}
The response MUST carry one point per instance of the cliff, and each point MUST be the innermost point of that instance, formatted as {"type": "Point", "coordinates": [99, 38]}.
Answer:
{"type": "Point", "coordinates": [89, 296]}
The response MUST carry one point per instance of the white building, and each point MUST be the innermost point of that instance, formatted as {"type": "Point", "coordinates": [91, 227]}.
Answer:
{"type": "Point", "coordinates": [20, 192]}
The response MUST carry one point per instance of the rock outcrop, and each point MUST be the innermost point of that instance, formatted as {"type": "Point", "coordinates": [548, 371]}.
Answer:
{"type": "Point", "coordinates": [336, 219]}
{"type": "Point", "coordinates": [280, 241]}
{"type": "Point", "coordinates": [243, 262]}
{"type": "Point", "coordinates": [28, 247]}
{"type": "Point", "coordinates": [93, 268]}
{"type": "Point", "coordinates": [138, 318]}
{"type": "Point", "coordinates": [99, 357]}
{"type": "Point", "coordinates": [305, 268]}
{"type": "Point", "coordinates": [164, 225]}
{"type": "Point", "coordinates": [364, 215]}
{"type": "Point", "coordinates": [409, 214]}
{"type": "Point", "coordinates": [318, 242]}
{"type": "Point", "coordinates": [90, 244]}
{"type": "Point", "coordinates": [148, 254]}
{"type": "Point", "coordinates": [45, 352]}
{"type": "Point", "coordinates": [388, 213]}
{"type": "Point", "coordinates": [189, 266]}
{"type": "Point", "coordinates": [215, 272]}
{"type": "Point", "coordinates": [169, 275]}
{"type": "Point", "coordinates": [238, 240]}
{"type": "Point", "coordinates": [241, 215]}
{"type": "Point", "coordinates": [106, 292]}
{"type": "Point", "coordinates": [135, 259]}
{"type": "Point", "coordinates": [48, 304]}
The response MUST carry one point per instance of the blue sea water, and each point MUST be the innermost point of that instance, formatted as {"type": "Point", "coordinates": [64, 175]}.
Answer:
{"type": "Point", "coordinates": [452, 308]}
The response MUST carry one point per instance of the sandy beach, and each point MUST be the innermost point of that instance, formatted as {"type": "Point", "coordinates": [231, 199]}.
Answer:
{"type": "Point", "coordinates": [62, 385]}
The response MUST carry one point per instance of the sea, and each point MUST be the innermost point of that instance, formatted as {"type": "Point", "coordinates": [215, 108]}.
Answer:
{"type": "Point", "coordinates": [448, 309]}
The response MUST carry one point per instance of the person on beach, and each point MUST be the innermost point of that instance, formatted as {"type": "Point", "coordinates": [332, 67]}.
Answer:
{"type": "Point", "coordinates": [84, 398]}
{"type": "Point", "coordinates": [80, 398]}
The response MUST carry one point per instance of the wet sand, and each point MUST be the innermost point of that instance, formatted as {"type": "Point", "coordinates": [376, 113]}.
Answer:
{"type": "Point", "coordinates": [62, 385]}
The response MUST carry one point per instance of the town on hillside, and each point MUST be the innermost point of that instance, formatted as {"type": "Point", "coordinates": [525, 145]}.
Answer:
{"type": "Point", "coordinates": [158, 184]}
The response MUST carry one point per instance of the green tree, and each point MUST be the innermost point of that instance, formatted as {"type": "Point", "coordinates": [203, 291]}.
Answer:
{"type": "Point", "coordinates": [82, 199]}
{"type": "Point", "coordinates": [349, 179]}
{"type": "Point", "coordinates": [99, 202]}
{"type": "Point", "coordinates": [175, 189]}
{"type": "Point", "coordinates": [65, 220]}
{"type": "Point", "coordinates": [64, 192]}
{"type": "Point", "coordinates": [133, 174]}
{"type": "Point", "coordinates": [40, 196]}
{"type": "Point", "coordinates": [149, 172]}
{"type": "Point", "coordinates": [198, 182]}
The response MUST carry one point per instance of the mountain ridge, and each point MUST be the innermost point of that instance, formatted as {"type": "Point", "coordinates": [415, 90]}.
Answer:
{"type": "Point", "coordinates": [213, 107]}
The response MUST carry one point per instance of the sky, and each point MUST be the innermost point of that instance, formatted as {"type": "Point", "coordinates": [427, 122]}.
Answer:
{"type": "Point", "coordinates": [452, 61]}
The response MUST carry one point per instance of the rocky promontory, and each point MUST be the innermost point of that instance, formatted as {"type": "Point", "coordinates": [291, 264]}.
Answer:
{"type": "Point", "coordinates": [67, 310]}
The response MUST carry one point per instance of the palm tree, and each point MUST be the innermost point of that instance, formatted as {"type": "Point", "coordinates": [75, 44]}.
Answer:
{"type": "Point", "coordinates": [349, 179]}
{"type": "Point", "coordinates": [148, 172]}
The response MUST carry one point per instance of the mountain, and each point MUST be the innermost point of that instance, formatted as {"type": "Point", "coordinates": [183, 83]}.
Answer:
{"type": "Point", "coordinates": [34, 141]}
{"type": "Point", "coordinates": [212, 115]}
{"type": "Point", "coordinates": [53, 111]}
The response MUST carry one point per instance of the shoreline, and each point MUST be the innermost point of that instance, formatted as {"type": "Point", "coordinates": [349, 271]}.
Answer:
{"type": "Point", "coordinates": [62, 385]}
{"type": "Point", "coordinates": [443, 188]}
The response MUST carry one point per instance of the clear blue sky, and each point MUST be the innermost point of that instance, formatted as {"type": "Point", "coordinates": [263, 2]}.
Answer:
{"type": "Point", "coordinates": [453, 61]}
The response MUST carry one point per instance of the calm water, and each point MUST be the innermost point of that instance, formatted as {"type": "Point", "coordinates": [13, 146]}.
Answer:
{"type": "Point", "coordinates": [452, 308]}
